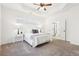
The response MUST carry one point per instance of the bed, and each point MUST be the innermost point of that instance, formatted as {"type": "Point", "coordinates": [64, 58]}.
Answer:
{"type": "Point", "coordinates": [36, 39]}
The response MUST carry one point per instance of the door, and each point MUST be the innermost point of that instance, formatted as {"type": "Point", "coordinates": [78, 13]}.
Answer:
{"type": "Point", "coordinates": [63, 29]}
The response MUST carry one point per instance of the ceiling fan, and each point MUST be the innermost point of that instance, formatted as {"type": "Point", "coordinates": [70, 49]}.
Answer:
{"type": "Point", "coordinates": [43, 5]}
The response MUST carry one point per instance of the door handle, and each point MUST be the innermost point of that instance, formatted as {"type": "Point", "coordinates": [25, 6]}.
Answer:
{"type": "Point", "coordinates": [64, 31]}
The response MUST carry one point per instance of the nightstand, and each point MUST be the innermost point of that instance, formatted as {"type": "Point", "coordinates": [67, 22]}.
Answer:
{"type": "Point", "coordinates": [19, 37]}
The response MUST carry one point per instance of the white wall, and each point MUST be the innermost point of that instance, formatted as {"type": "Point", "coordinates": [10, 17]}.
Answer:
{"type": "Point", "coordinates": [8, 26]}
{"type": "Point", "coordinates": [71, 15]}
{"type": "Point", "coordinates": [0, 24]}
{"type": "Point", "coordinates": [73, 25]}
{"type": "Point", "coordinates": [59, 19]}
{"type": "Point", "coordinates": [10, 20]}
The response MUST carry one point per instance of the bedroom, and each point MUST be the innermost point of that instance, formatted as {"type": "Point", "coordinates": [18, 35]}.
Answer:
{"type": "Point", "coordinates": [56, 25]}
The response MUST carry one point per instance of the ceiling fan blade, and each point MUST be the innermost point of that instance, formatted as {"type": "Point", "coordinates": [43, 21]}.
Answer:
{"type": "Point", "coordinates": [45, 9]}
{"type": "Point", "coordinates": [48, 4]}
{"type": "Point", "coordinates": [36, 4]}
{"type": "Point", "coordinates": [38, 8]}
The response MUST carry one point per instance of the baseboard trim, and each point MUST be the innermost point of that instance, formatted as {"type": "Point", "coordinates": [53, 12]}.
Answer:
{"type": "Point", "coordinates": [74, 43]}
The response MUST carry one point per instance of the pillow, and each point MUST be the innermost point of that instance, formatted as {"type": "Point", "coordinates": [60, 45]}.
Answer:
{"type": "Point", "coordinates": [35, 31]}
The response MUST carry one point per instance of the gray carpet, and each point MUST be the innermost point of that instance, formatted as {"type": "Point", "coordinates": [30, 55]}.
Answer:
{"type": "Point", "coordinates": [55, 48]}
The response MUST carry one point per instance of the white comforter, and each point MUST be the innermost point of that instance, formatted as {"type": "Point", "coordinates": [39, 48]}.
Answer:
{"type": "Point", "coordinates": [36, 39]}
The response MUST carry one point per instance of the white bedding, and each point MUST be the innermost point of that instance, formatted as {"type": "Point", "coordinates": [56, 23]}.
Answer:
{"type": "Point", "coordinates": [36, 39]}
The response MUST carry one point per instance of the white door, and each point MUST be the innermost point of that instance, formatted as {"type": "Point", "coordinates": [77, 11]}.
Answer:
{"type": "Point", "coordinates": [63, 29]}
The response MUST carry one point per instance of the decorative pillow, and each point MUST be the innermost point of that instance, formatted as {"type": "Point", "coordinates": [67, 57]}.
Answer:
{"type": "Point", "coordinates": [35, 31]}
